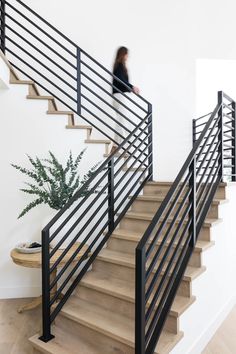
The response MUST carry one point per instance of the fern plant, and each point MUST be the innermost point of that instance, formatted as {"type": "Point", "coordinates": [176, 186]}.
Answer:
{"type": "Point", "coordinates": [53, 184]}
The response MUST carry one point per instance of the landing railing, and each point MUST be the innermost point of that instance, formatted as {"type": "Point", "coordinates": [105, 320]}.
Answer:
{"type": "Point", "coordinates": [164, 251]}
{"type": "Point", "coordinates": [81, 84]}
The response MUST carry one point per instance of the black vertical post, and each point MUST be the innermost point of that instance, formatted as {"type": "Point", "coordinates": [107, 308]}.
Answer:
{"type": "Point", "coordinates": [2, 28]}
{"type": "Point", "coordinates": [150, 143]}
{"type": "Point", "coordinates": [233, 142]}
{"type": "Point", "coordinates": [192, 201]}
{"type": "Point", "coordinates": [140, 277]}
{"type": "Point", "coordinates": [46, 315]}
{"type": "Point", "coordinates": [78, 81]}
{"type": "Point", "coordinates": [221, 135]}
{"type": "Point", "coordinates": [111, 195]}
{"type": "Point", "coordinates": [194, 130]}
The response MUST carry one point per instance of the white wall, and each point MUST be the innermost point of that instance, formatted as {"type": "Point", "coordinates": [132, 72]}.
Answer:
{"type": "Point", "coordinates": [212, 76]}
{"type": "Point", "coordinates": [27, 129]}
{"type": "Point", "coordinates": [165, 39]}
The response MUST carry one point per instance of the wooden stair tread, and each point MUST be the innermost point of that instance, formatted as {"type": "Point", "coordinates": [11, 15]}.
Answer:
{"type": "Point", "coordinates": [79, 127]}
{"type": "Point", "coordinates": [154, 198]}
{"type": "Point", "coordinates": [124, 234]}
{"type": "Point", "coordinates": [149, 217]}
{"type": "Point", "coordinates": [58, 345]}
{"type": "Point", "coordinates": [22, 82]}
{"type": "Point", "coordinates": [167, 183]}
{"type": "Point", "coordinates": [109, 323]}
{"type": "Point", "coordinates": [97, 141]}
{"type": "Point", "coordinates": [126, 290]}
{"type": "Point", "coordinates": [40, 97]}
{"type": "Point", "coordinates": [60, 112]}
{"type": "Point", "coordinates": [128, 260]}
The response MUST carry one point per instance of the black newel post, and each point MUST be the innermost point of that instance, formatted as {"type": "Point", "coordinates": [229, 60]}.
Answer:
{"type": "Point", "coordinates": [2, 28]}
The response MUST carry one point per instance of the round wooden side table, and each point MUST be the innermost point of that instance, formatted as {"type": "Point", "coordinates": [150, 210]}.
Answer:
{"type": "Point", "coordinates": [33, 260]}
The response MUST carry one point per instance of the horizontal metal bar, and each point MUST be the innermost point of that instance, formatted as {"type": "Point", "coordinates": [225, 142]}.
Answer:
{"type": "Point", "coordinates": [88, 194]}
{"type": "Point", "coordinates": [40, 29]}
{"type": "Point", "coordinates": [71, 229]}
{"type": "Point", "coordinates": [125, 186]}
{"type": "Point", "coordinates": [110, 84]}
{"type": "Point", "coordinates": [103, 122]}
{"type": "Point", "coordinates": [126, 173]}
{"type": "Point", "coordinates": [206, 115]}
{"type": "Point", "coordinates": [227, 97]}
{"type": "Point", "coordinates": [104, 112]}
{"type": "Point", "coordinates": [44, 66]}
{"type": "Point", "coordinates": [115, 77]}
{"type": "Point", "coordinates": [47, 23]}
{"type": "Point", "coordinates": [199, 196]}
{"type": "Point", "coordinates": [167, 252]}
{"type": "Point", "coordinates": [167, 214]}
{"type": "Point", "coordinates": [207, 138]}
{"type": "Point", "coordinates": [40, 74]}
{"type": "Point", "coordinates": [42, 42]}
{"type": "Point", "coordinates": [159, 308]}
{"type": "Point", "coordinates": [110, 94]}
{"type": "Point", "coordinates": [42, 53]}
{"type": "Point", "coordinates": [82, 259]}
{"type": "Point", "coordinates": [131, 154]}
{"type": "Point", "coordinates": [83, 242]}
{"type": "Point", "coordinates": [131, 200]}
{"type": "Point", "coordinates": [130, 190]}
{"type": "Point", "coordinates": [86, 184]}
{"type": "Point", "coordinates": [228, 107]}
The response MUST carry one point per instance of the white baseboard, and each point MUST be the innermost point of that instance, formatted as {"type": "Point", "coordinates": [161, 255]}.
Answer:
{"type": "Point", "coordinates": [202, 341]}
{"type": "Point", "coordinates": [19, 292]}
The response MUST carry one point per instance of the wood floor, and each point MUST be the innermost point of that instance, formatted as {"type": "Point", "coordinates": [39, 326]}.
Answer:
{"type": "Point", "coordinates": [15, 329]}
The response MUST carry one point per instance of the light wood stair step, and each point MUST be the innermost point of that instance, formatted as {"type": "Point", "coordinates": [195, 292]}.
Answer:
{"type": "Point", "coordinates": [21, 82]}
{"type": "Point", "coordinates": [154, 198]}
{"type": "Point", "coordinates": [149, 216]}
{"type": "Point", "coordinates": [60, 344]}
{"type": "Point", "coordinates": [110, 324]}
{"type": "Point", "coordinates": [31, 97]}
{"type": "Point", "coordinates": [126, 290]}
{"type": "Point", "coordinates": [128, 260]}
{"type": "Point", "coordinates": [89, 127]}
{"type": "Point", "coordinates": [127, 235]}
{"type": "Point", "coordinates": [61, 112]}
{"type": "Point", "coordinates": [97, 141]}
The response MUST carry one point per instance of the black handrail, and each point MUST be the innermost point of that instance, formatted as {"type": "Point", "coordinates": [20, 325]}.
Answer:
{"type": "Point", "coordinates": [64, 70]}
{"type": "Point", "coordinates": [193, 191]}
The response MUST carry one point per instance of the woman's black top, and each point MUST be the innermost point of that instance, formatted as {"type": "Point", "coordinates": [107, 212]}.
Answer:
{"type": "Point", "coordinates": [121, 72]}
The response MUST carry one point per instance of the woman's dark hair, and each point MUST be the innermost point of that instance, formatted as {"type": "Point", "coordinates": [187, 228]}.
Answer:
{"type": "Point", "coordinates": [120, 57]}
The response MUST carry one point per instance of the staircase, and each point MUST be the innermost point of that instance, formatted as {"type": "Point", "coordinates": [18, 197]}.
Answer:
{"type": "Point", "coordinates": [144, 239]}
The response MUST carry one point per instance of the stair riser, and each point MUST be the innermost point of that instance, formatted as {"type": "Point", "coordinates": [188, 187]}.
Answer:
{"type": "Point", "coordinates": [104, 344]}
{"type": "Point", "coordinates": [128, 274]}
{"type": "Point", "coordinates": [140, 226]}
{"type": "Point", "coordinates": [123, 307]}
{"type": "Point", "coordinates": [162, 191]}
{"type": "Point", "coordinates": [120, 245]}
{"type": "Point", "coordinates": [143, 206]}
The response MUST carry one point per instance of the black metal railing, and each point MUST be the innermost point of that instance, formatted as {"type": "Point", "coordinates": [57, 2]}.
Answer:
{"type": "Point", "coordinates": [79, 82]}
{"type": "Point", "coordinates": [164, 251]}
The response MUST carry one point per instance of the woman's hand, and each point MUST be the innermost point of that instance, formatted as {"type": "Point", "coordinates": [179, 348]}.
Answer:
{"type": "Point", "coordinates": [136, 90]}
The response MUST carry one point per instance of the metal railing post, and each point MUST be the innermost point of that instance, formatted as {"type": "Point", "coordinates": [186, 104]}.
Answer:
{"type": "Point", "coordinates": [192, 201]}
{"type": "Point", "coordinates": [111, 195]}
{"type": "Point", "coordinates": [78, 81]}
{"type": "Point", "coordinates": [150, 142]}
{"type": "Point", "coordinates": [2, 28]}
{"type": "Point", "coordinates": [140, 276]}
{"type": "Point", "coordinates": [221, 135]}
{"type": "Point", "coordinates": [233, 142]}
{"type": "Point", "coordinates": [194, 130]}
{"type": "Point", "coordinates": [46, 315]}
